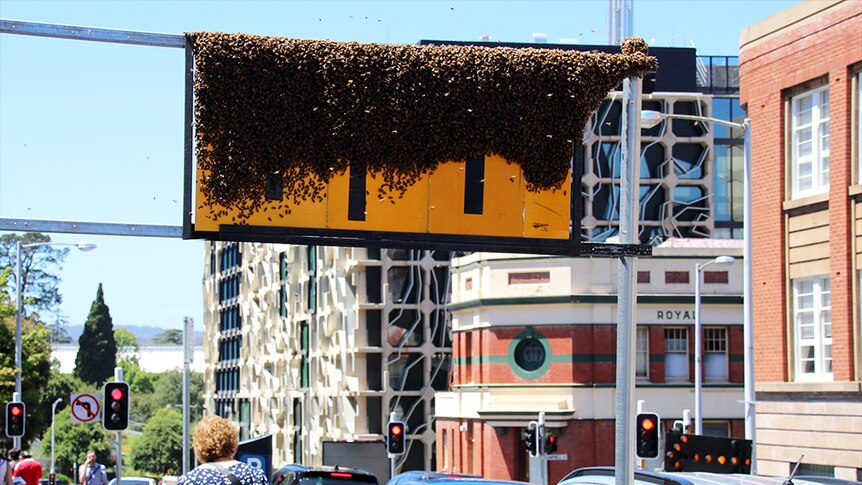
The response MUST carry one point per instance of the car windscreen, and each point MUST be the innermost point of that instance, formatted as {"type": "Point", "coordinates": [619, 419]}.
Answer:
{"type": "Point", "coordinates": [337, 478]}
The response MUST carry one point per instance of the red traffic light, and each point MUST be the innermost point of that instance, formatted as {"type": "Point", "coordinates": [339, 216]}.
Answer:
{"type": "Point", "coordinates": [647, 424]}
{"type": "Point", "coordinates": [15, 410]}
{"type": "Point", "coordinates": [117, 394]}
{"type": "Point", "coordinates": [395, 429]}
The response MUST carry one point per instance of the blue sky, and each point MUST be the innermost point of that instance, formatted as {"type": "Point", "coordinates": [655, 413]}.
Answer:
{"type": "Point", "coordinates": [93, 132]}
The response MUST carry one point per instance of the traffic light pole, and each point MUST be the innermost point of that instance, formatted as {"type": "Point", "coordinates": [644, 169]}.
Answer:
{"type": "Point", "coordinates": [118, 377]}
{"type": "Point", "coordinates": [624, 456]}
{"type": "Point", "coordinates": [391, 456]}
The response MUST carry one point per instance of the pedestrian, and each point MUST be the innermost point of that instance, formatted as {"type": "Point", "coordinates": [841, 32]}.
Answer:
{"type": "Point", "coordinates": [14, 456]}
{"type": "Point", "coordinates": [92, 472]}
{"type": "Point", "coordinates": [28, 469]}
{"type": "Point", "coordinates": [215, 442]}
{"type": "Point", "coordinates": [5, 472]}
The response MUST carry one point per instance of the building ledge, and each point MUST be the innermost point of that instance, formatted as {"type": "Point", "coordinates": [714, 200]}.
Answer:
{"type": "Point", "coordinates": [854, 190]}
{"type": "Point", "coordinates": [804, 205]}
{"type": "Point", "coordinates": [808, 387]}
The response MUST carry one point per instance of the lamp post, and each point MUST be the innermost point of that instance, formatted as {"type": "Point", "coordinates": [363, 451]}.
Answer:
{"type": "Point", "coordinates": [698, 352]}
{"type": "Point", "coordinates": [650, 119]}
{"type": "Point", "coordinates": [83, 246]}
{"type": "Point", "coordinates": [53, 413]}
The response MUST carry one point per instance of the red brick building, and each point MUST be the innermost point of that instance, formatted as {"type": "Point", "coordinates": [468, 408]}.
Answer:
{"type": "Point", "coordinates": [535, 334]}
{"type": "Point", "coordinates": [800, 76]}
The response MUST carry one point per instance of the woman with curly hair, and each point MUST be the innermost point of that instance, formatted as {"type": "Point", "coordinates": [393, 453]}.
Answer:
{"type": "Point", "coordinates": [215, 442]}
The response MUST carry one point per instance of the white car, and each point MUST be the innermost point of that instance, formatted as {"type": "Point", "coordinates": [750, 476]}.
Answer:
{"type": "Point", "coordinates": [134, 481]}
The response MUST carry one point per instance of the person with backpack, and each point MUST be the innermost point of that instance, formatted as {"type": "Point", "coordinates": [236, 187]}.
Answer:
{"type": "Point", "coordinates": [215, 442]}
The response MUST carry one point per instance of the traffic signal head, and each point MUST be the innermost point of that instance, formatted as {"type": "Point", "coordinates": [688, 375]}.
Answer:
{"type": "Point", "coordinates": [550, 443]}
{"type": "Point", "coordinates": [531, 439]}
{"type": "Point", "coordinates": [16, 416]}
{"type": "Point", "coordinates": [115, 416]}
{"type": "Point", "coordinates": [395, 438]}
{"type": "Point", "coordinates": [695, 453]}
{"type": "Point", "coordinates": [646, 430]}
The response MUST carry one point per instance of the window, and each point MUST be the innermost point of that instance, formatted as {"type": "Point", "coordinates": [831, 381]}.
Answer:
{"type": "Point", "coordinates": [676, 276]}
{"type": "Point", "coordinates": [810, 143]}
{"type": "Point", "coordinates": [643, 276]}
{"type": "Point", "coordinates": [859, 127]}
{"type": "Point", "coordinates": [676, 354]}
{"type": "Point", "coordinates": [642, 354]}
{"type": "Point", "coordinates": [715, 277]}
{"type": "Point", "coordinates": [812, 321]}
{"type": "Point", "coordinates": [536, 277]}
{"type": "Point", "coordinates": [715, 354]}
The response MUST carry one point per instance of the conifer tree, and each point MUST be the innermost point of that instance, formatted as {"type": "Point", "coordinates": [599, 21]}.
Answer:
{"type": "Point", "coordinates": [97, 349]}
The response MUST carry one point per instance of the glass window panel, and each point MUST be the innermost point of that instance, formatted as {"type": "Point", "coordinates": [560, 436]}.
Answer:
{"type": "Point", "coordinates": [715, 366]}
{"type": "Point", "coordinates": [676, 366]}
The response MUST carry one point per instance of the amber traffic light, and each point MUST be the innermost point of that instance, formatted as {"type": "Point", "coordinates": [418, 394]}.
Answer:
{"type": "Point", "coordinates": [395, 438]}
{"type": "Point", "coordinates": [647, 435]}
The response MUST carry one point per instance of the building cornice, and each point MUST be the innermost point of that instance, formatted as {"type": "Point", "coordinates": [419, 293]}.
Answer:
{"type": "Point", "coordinates": [593, 299]}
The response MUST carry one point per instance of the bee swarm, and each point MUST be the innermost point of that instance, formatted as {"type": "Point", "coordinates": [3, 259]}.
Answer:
{"type": "Point", "coordinates": [290, 113]}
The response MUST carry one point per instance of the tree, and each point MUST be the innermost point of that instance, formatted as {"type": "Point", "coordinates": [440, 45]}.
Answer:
{"type": "Point", "coordinates": [169, 389]}
{"type": "Point", "coordinates": [97, 349]}
{"type": "Point", "coordinates": [159, 449]}
{"type": "Point", "coordinates": [39, 268]}
{"type": "Point", "coordinates": [36, 369]}
{"type": "Point", "coordinates": [127, 345]}
{"type": "Point", "coordinates": [74, 439]}
{"type": "Point", "coordinates": [169, 337]}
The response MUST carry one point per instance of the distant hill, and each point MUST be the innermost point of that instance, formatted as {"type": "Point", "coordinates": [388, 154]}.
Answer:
{"type": "Point", "coordinates": [145, 335]}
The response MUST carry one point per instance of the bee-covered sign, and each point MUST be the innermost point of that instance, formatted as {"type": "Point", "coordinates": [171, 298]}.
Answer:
{"type": "Point", "coordinates": [464, 147]}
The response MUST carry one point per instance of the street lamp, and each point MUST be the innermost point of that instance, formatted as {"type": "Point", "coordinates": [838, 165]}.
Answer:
{"type": "Point", "coordinates": [698, 352]}
{"type": "Point", "coordinates": [650, 119]}
{"type": "Point", "coordinates": [83, 246]}
{"type": "Point", "coordinates": [53, 413]}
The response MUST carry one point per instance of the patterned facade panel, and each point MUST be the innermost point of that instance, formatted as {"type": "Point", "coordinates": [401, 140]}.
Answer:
{"type": "Point", "coordinates": [308, 355]}
{"type": "Point", "coordinates": [676, 171]}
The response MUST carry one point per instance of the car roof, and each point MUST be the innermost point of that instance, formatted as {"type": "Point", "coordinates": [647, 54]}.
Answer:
{"type": "Point", "coordinates": [603, 475]}
{"type": "Point", "coordinates": [465, 480]}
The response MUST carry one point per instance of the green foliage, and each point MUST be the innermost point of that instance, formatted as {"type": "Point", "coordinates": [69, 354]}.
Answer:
{"type": "Point", "coordinates": [127, 345]}
{"type": "Point", "coordinates": [159, 449]}
{"type": "Point", "coordinates": [36, 364]}
{"type": "Point", "coordinates": [169, 337]}
{"type": "Point", "coordinates": [39, 268]}
{"type": "Point", "coordinates": [7, 308]}
{"type": "Point", "coordinates": [97, 349]}
{"type": "Point", "coordinates": [74, 439]}
{"type": "Point", "coordinates": [169, 389]}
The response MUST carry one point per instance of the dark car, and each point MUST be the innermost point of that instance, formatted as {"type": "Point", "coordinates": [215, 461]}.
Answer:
{"type": "Point", "coordinates": [322, 475]}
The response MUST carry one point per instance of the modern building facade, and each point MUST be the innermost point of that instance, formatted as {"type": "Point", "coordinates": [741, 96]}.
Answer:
{"type": "Point", "coordinates": [535, 334]}
{"type": "Point", "coordinates": [313, 344]}
{"type": "Point", "coordinates": [801, 76]}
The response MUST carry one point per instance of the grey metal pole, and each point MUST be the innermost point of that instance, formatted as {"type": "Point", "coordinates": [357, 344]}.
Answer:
{"type": "Point", "coordinates": [748, 304]}
{"type": "Point", "coordinates": [16, 441]}
{"type": "Point", "coordinates": [188, 344]}
{"type": "Point", "coordinates": [624, 457]}
{"type": "Point", "coordinates": [118, 377]}
{"type": "Point", "coordinates": [540, 444]}
{"type": "Point", "coordinates": [53, 413]}
{"type": "Point", "coordinates": [698, 357]}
